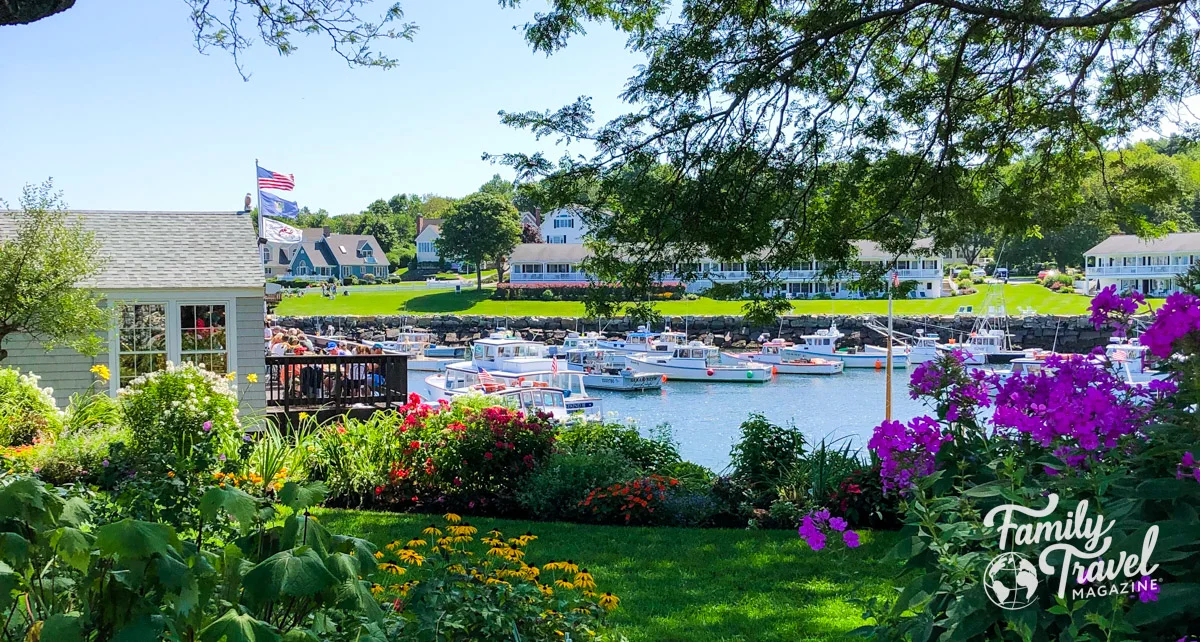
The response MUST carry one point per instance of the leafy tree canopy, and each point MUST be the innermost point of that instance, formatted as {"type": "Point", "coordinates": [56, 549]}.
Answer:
{"type": "Point", "coordinates": [233, 25]}
{"type": "Point", "coordinates": [787, 129]}
{"type": "Point", "coordinates": [481, 227]}
{"type": "Point", "coordinates": [43, 267]}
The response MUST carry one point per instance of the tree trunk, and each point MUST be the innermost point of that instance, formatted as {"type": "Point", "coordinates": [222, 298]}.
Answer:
{"type": "Point", "coordinates": [479, 275]}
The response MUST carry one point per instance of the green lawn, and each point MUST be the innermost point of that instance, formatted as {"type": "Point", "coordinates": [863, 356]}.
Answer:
{"type": "Point", "coordinates": [693, 585]}
{"type": "Point", "coordinates": [470, 301]}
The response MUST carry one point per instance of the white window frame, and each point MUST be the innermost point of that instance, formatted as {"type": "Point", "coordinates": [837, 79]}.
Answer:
{"type": "Point", "coordinates": [173, 300]}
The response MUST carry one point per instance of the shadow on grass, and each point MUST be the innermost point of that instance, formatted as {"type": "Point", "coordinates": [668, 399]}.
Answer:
{"type": "Point", "coordinates": [446, 302]}
{"type": "Point", "coordinates": [694, 584]}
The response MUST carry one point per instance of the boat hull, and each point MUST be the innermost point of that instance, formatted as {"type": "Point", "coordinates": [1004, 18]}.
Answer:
{"type": "Point", "coordinates": [858, 359]}
{"type": "Point", "coordinates": [754, 373]}
{"type": "Point", "coordinates": [621, 383]}
{"type": "Point", "coordinates": [781, 366]}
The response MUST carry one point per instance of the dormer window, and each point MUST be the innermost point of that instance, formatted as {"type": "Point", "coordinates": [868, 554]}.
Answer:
{"type": "Point", "coordinates": [564, 220]}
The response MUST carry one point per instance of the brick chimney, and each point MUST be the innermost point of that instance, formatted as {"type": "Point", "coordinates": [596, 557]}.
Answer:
{"type": "Point", "coordinates": [420, 224]}
{"type": "Point", "coordinates": [537, 216]}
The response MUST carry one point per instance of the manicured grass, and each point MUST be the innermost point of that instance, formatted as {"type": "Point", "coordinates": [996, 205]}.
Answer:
{"type": "Point", "coordinates": [679, 584]}
{"type": "Point", "coordinates": [470, 301]}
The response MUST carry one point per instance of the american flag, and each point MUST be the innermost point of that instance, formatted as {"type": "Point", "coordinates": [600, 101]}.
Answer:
{"type": "Point", "coordinates": [895, 278]}
{"type": "Point", "coordinates": [486, 377]}
{"type": "Point", "coordinates": [274, 180]}
{"type": "Point", "coordinates": [554, 365]}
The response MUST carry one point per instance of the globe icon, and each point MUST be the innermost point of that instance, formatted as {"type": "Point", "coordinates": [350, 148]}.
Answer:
{"type": "Point", "coordinates": [1011, 581]}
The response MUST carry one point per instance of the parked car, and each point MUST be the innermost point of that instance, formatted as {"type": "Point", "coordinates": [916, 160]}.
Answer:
{"type": "Point", "coordinates": [978, 272]}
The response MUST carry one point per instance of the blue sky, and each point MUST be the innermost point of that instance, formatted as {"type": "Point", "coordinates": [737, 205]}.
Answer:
{"type": "Point", "coordinates": [112, 100]}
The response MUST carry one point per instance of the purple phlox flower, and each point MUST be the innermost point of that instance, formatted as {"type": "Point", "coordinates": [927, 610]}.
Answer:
{"type": "Point", "coordinates": [851, 539]}
{"type": "Point", "coordinates": [207, 426]}
{"type": "Point", "coordinates": [104, 463]}
{"type": "Point", "coordinates": [837, 524]}
{"type": "Point", "coordinates": [1147, 589]}
{"type": "Point", "coordinates": [1178, 317]}
{"type": "Point", "coordinates": [221, 457]}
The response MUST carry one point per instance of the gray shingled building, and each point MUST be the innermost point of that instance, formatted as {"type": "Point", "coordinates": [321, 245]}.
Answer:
{"type": "Point", "coordinates": [188, 286]}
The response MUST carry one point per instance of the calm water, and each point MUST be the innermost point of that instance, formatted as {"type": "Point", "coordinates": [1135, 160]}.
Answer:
{"type": "Point", "coordinates": [704, 417]}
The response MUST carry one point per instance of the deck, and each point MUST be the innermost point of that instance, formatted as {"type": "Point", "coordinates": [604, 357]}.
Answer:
{"type": "Point", "coordinates": [326, 385]}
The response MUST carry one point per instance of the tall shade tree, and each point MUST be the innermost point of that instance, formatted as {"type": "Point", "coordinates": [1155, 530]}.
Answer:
{"type": "Point", "coordinates": [43, 264]}
{"type": "Point", "coordinates": [500, 187]}
{"type": "Point", "coordinates": [232, 25]}
{"type": "Point", "coordinates": [792, 127]}
{"type": "Point", "coordinates": [481, 227]}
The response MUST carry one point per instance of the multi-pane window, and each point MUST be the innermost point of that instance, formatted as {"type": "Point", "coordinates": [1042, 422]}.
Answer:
{"type": "Point", "coordinates": [202, 328]}
{"type": "Point", "coordinates": [564, 221]}
{"type": "Point", "coordinates": [143, 340]}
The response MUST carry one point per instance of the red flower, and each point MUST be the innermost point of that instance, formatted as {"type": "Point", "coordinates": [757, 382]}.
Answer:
{"type": "Point", "coordinates": [414, 444]}
{"type": "Point", "coordinates": [379, 490]}
{"type": "Point", "coordinates": [487, 455]}
{"type": "Point", "coordinates": [854, 489]}
{"type": "Point", "coordinates": [341, 429]}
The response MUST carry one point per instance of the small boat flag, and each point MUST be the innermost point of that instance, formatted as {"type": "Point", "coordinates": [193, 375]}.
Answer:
{"type": "Point", "coordinates": [486, 377]}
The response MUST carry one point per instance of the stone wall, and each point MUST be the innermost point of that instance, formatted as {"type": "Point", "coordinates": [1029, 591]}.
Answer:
{"type": "Point", "coordinates": [1062, 333]}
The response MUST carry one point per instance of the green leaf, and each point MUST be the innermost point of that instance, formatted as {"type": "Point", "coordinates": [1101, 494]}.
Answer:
{"type": "Point", "coordinates": [136, 539]}
{"type": "Point", "coordinates": [76, 512]}
{"type": "Point", "coordinates": [233, 627]}
{"type": "Point", "coordinates": [293, 573]}
{"type": "Point", "coordinates": [234, 501]}
{"type": "Point", "coordinates": [144, 629]}
{"type": "Point", "coordinates": [300, 635]}
{"type": "Point", "coordinates": [298, 497]}
{"type": "Point", "coordinates": [14, 549]}
{"type": "Point", "coordinates": [917, 592]}
{"type": "Point", "coordinates": [63, 627]}
{"type": "Point", "coordinates": [990, 489]}
{"type": "Point", "coordinates": [73, 546]}
{"type": "Point", "coordinates": [305, 530]}
{"type": "Point", "coordinates": [362, 550]}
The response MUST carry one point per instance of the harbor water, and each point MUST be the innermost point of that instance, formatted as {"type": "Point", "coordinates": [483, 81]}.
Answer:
{"type": "Point", "coordinates": [704, 417]}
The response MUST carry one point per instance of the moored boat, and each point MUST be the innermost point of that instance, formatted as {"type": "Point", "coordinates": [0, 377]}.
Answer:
{"type": "Point", "coordinates": [771, 353]}
{"type": "Point", "coordinates": [823, 344]}
{"type": "Point", "coordinates": [698, 362]}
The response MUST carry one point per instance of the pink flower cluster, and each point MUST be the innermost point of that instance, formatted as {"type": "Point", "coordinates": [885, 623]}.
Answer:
{"type": "Point", "coordinates": [813, 526]}
{"type": "Point", "coordinates": [1108, 307]}
{"type": "Point", "coordinates": [907, 451]}
{"type": "Point", "coordinates": [1073, 403]}
{"type": "Point", "coordinates": [1177, 318]}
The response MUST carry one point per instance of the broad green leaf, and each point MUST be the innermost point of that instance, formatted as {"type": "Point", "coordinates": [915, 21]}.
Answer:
{"type": "Point", "coordinates": [144, 629]}
{"type": "Point", "coordinates": [76, 512]}
{"type": "Point", "coordinates": [14, 549]}
{"type": "Point", "coordinates": [173, 571]}
{"type": "Point", "coordinates": [27, 500]}
{"type": "Point", "coordinates": [352, 593]}
{"type": "Point", "coordinates": [303, 530]}
{"type": "Point", "coordinates": [135, 539]}
{"type": "Point", "coordinates": [73, 546]}
{"type": "Point", "coordinates": [293, 573]}
{"type": "Point", "coordinates": [363, 550]}
{"type": "Point", "coordinates": [300, 635]}
{"type": "Point", "coordinates": [63, 627]}
{"type": "Point", "coordinates": [234, 501]}
{"type": "Point", "coordinates": [232, 627]}
{"type": "Point", "coordinates": [298, 497]}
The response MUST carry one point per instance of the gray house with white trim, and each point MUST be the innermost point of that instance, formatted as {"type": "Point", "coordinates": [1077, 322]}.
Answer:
{"type": "Point", "coordinates": [187, 286]}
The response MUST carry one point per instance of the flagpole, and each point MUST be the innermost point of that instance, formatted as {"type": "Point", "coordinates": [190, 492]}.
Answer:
{"type": "Point", "coordinates": [888, 401]}
{"type": "Point", "coordinates": [258, 191]}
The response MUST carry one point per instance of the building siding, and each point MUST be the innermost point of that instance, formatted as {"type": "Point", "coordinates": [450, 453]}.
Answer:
{"type": "Point", "coordinates": [65, 370]}
{"type": "Point", "coordinates": [251, 353]}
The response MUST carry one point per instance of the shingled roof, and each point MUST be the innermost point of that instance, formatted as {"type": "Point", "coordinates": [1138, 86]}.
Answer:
{"type": "Point", "coordinates": [169, 250]}
{"type": "Point", "coordinates": [1129, 244]}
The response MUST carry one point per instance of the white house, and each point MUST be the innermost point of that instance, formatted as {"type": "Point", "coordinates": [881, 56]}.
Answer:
{"type": "Point", "coordinates": [428, 232]}
{"type": "Point", "coordinates": [1150, 266]}
{"type": "Point", "coordinates": [186, 286]}
{"type": "Point", "coordinates": [564, 226]}
{"type": "Point", "coordinates": [543, 264]}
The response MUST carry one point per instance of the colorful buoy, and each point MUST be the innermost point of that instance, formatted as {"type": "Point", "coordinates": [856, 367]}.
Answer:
{"type": "Point", "coordinates": [774, 371]}
{"type": "Point", "coordinates": [664, 378]}
{"type": "Point", "coordinates": [878, 364]}
{"type": "Point", "coordinates": [711, 372]}
{"type": "Point", "coordinates": [749, 374]}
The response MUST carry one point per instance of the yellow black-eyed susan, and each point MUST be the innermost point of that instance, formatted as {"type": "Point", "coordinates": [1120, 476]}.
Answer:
{"type": "Point", "coordinates": [609, 601]}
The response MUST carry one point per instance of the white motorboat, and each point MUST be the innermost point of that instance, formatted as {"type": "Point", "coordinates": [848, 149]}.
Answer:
{"type": "Point", "coordinates": [508, 362]}
{"type": "Point", "coordinates": [771, 353]}
{"type": "Point", "coordinates": [989, 345]}
{"type": "Point", "coordinates": [823, 344]}
{"type": "Point", "coordinates": [698, 362]}
{"type": "Point", "coordinates": [643, 340]}
{"type": "Point", "coordinates": [1127, 358]}
{"type": "Point", "coordinates": [1033, 362]}
{"type": "Point", "coordinates": [608, 370]}
{"type": "Point", "coordinates": [575, 341]}
{"type": "Point", "coordinates": [924, 348]}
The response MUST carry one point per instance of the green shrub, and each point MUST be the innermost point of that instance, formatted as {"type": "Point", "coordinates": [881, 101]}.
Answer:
{"type": "Point", "coordinates": [547, 295]}
{"type": "Point", "coordinates": [555, 488]}
{"type": "Point", "coordinates": [964, 275]}
{"type": "Point", "coordinates": [74, 456]}
{"type": "Point", "coordinates": [650, 454]}
{"type": "Point", "coordinates": [691, 476]}
{"type": "Point", "coordinates": [353, 457]}
{"type": "Point", "coordinates": [764, 457]}
{"type": "Point", "coordinates": [25, 408]}
{"type": "Point", "coordinates": [690, 508]}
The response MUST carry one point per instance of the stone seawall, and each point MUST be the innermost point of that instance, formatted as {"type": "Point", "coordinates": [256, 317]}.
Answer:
{"type": "Point", "coordinates": [1062, 333]}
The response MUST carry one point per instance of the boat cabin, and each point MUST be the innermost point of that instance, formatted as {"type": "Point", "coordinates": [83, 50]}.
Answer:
{"type": "Point", "coordinates": [576, 341]}
{"type": "Point", "coordinates": [530, 400]}
{"type": "Point", "coordinates": [824, 341]}
{"type": "Point", "coordinates": [501, 352]}
{"type": "Point", "coordinates": [582, 358]}
{"type": "Point", "coordinates": [667, 341]}
{"type": "Point", "coordinates": [697, 351]}
{"type": "Point", "coordinates": [1130, 354]}
{"type": "Point", "coordinates": [987, 341]}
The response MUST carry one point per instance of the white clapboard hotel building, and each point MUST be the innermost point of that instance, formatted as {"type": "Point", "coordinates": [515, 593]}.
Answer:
{"type": "Point", "coordinates": [1150, 266]}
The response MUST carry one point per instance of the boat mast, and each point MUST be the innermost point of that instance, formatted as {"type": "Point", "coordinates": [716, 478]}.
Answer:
{"type": "Point", "coordinates": [887, 413]}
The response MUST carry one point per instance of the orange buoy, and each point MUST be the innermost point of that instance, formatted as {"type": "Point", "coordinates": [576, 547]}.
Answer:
{"type": "Point", "coordinates": [774, 371]}
{"type": "Point", "coordinates": [878, 365]}
{"type": "Point", "coordinates": [664, 378]}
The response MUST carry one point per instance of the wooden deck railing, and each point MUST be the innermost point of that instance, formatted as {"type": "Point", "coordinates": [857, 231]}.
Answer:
{"type": "Point", "coordinates": [337, 382]}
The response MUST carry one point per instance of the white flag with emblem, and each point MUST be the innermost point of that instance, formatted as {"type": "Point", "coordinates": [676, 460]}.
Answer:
{"type": "Point", "coordinates": [275, 232]}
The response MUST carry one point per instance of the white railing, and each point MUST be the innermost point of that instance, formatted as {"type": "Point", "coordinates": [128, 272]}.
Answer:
{"type": "Point", "coordinates": [548, 277]}
{"type": "Point", "coordinates": [1137, 270]}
